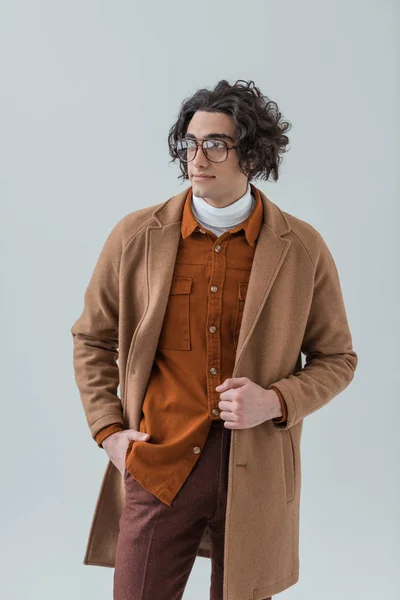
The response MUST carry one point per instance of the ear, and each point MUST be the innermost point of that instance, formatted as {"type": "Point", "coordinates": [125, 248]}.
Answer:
{"type": "Point", "coordinates": [251, 167]}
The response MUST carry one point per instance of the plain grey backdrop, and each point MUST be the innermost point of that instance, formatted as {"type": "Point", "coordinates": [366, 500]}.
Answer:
{"type": "Point", "coordinates": [88, 92]}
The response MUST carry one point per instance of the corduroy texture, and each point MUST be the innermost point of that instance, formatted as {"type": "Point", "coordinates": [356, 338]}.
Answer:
{"type": "Point", "coordinates": [294, 306]}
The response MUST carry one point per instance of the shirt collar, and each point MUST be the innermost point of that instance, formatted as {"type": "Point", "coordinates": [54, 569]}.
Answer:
{"type": "Point", "coordinates": [251, 225]}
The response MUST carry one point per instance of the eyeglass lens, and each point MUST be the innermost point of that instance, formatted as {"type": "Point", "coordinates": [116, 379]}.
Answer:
{"type": "Point", "coordinates": [215, 150]}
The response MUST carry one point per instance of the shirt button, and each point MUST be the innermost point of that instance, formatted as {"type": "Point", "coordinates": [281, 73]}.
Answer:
{"type": "Point", "coordinates": [217, 248]}
{"type": "Point", "coordinates": [213, 371]}
{"type": "Point", "coordinates": [213, 329]}
{"type": "Point", "coordinates": [201, 230]}
{"type": "Point", "coordinates": [196, 450]}
{"type": "Point", "coordinates": [215, 411]}
{"type": "Point", "coordinates": [214, 288]}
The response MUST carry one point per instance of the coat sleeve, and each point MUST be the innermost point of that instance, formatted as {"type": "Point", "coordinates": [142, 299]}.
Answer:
{"type": "Point", "coordinates": [327, 345]}
{"type": "Point", "coordinates": [95, 338]}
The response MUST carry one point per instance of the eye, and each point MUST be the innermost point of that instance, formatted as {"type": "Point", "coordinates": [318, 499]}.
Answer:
{"type": "Point", "coordinates": [185, 143]}
{"type": "Point", "coordinates": [216, 144]}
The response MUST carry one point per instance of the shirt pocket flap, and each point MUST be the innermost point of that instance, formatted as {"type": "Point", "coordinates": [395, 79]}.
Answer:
{"type": "Point", "coordinates": [181, 285]}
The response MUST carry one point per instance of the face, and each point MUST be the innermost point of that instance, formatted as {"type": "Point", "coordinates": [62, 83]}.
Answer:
{"type": "Point", "coordinates": [227, 183]}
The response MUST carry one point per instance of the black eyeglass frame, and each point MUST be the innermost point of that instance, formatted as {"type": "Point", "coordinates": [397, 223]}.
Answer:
{"type": "Point", "coordinates": [201, 142]}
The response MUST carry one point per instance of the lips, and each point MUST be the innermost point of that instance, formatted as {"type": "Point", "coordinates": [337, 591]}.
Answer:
{"type": "Point", "coordinates": [202, 177]}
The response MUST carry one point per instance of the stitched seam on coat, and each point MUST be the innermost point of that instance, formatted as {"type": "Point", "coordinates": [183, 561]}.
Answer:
{"type": "Point", "coordinates": [103, 417]}
{"type": "Point", "coordinates": [305, 248]}
{"type": "Point", "coordinates": [135, 234]}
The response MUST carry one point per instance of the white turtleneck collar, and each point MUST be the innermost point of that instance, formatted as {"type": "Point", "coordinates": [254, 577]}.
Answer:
{"type": "Point", "coordinates": [219, 220]}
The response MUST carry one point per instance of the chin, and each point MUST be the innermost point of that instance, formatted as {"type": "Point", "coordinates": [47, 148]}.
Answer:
{"type": "Point", "coordinates": [201, 188]}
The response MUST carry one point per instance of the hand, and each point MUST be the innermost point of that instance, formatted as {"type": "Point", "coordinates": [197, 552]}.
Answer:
{"type": "Point", "coordinates": [245, 404]}
{"type": "Point", "coordinates": [117, 444]}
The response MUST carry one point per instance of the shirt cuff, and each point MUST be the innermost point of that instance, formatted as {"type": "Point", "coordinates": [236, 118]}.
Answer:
{"type": "Point", "coordinates": [106, 431]}
{"type": "Point", "coordinates": [283, 418]}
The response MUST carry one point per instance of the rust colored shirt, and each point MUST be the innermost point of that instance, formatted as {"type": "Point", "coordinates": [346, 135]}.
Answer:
{"type": "Point", "coordinates": [196, 351]}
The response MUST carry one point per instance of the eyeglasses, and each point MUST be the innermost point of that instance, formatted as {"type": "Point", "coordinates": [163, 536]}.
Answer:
{"type": "Point", "coordinates": [215, 150]}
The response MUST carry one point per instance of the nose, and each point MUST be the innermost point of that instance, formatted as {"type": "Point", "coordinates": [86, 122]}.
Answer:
{"type": "Point", "coordinates": [200, 158]}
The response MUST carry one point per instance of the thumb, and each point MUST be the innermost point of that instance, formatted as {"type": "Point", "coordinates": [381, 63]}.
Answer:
{"type": "Point", "coordinates": [231, 382]}
{"type": "Point", "coordinates": [133, 434]}
{"type": "Point", "coordinates": [222, 386]}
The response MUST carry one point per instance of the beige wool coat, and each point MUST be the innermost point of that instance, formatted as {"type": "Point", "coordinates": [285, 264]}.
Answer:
{"type": "Point", "coordinates": [294, 306]}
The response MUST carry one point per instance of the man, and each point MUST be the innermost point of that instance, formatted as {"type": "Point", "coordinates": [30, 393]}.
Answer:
{"type": "Point", "coordinates": [208, 300]}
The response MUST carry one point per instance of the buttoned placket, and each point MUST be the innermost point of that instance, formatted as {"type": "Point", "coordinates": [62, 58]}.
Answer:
{"type": "Point", "coordinates": [213, 323]}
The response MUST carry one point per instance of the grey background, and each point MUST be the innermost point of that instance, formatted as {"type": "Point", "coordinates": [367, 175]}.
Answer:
{"type": "Point", "coordinates": [88, 92]}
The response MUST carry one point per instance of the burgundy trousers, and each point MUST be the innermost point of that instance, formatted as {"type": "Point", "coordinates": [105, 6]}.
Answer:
{"type": "Point", "coordinates": [157, 544]}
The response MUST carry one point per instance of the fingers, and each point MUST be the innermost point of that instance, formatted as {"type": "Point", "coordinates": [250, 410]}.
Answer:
{"type": "Point", "coordinates": [133, 434]}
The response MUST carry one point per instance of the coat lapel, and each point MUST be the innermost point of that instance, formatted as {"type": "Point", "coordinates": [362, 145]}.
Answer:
{"type": "Point", "coordinates": [269, 255]}
{"type": "Point", "coordinates": [162, 246]}
{"type": "Point", "coordinates": [163, 243]}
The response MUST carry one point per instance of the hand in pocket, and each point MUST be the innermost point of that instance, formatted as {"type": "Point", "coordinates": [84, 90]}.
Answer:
{"type": "Point", "coordinates": [117, 445]}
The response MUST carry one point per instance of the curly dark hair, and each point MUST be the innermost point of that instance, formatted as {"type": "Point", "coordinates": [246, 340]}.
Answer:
{"type": "Point", "coordinates": [260, 130]}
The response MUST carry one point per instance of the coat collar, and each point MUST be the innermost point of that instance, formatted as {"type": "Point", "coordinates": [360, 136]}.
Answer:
{"type": "Point", "coordinates": [171, 211]}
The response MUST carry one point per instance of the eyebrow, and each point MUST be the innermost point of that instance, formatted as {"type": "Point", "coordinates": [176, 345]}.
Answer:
{"type": "Point", "coordinates": [212, 135]}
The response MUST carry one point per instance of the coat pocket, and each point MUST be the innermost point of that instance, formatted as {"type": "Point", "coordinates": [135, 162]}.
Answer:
{"type": "Point", "coordinates": [242, 292]}
{"type": "Point", "coordinates": [289, 466]}
{"type": "Point", "coordinates": [175, 330]}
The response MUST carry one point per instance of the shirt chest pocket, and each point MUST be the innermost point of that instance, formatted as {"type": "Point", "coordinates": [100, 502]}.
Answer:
{"type": "Point", "coordinates": [175, 331]}
{"type": "Point", "coordinates": [241, 297]}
